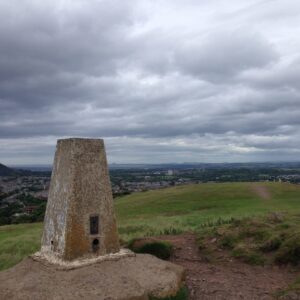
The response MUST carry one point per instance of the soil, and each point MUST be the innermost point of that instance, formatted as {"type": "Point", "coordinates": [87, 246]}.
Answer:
{"type": "Point", "coordinates": [226, 278]}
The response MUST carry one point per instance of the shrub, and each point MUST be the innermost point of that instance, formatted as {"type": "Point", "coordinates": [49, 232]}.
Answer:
{"type": "Point", "coordinates": [275, 217]}
{"type": "Point", "coordinates": [160, 249]}
{"type": "Point", "coordinates": [270, 245]}
{"type": "Point", "coordinates": [254, 259]}
{"type": "Point", "coordinates": [289, 251]}
{"type": "Point", "coordinates": [248, 256]}
{"type": "Point", "coordinates": [228, 241]}
{"type": "Point", "coordinates": [201, 244]}
{"type": "Point", "coordinates": [285, 226]}
{"type": "Point", "coordinates": [256, 233]}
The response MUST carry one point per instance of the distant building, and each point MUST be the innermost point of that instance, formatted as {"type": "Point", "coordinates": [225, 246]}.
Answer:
{"type": "Point", "coordinates": [170, 172]}
{"type": "Point", "coordinates": [29, 209]}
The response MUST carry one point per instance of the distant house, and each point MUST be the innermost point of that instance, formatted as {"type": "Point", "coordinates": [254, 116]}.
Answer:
{"type": "Point", "coordinates": [29, 209]}
{"type": "Point", "coordinates": [170, 172]}
{"type": "Point", "coordinates": [42, 195]}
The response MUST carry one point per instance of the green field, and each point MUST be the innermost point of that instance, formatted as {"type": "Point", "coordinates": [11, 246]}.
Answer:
{"type": "Point", "coordinates": [170, 211]}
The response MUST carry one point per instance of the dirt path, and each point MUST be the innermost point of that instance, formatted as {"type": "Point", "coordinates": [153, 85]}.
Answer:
{"type": "Point", "coordinates": [229, 279]}
{"type": "Point", "coordinates": [262, 191]}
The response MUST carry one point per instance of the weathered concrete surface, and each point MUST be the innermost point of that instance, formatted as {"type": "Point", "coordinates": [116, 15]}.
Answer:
{"type": "Point", "coordinates": [61, 264]}
{"type": "Point", "coordinates": [80, 189]}
{"type": "Point", "coordinates": [130, 278]}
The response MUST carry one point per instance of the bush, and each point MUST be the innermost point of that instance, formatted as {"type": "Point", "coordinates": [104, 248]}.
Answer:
{"type": "Point", "coordinates": [248, 256]}
{"type": "Point", "coordinates": [272, 244]}
{"type": "Point", "coordinates": [160, 249]}
{"type": "Point", "coordinates": [289, 251]}
{"type": "Point", "coordinates": [257, 234]}
{"type": "Point", "coordinates": [254, 259]}
{"type": "Point", "coordinates": [228, 241]}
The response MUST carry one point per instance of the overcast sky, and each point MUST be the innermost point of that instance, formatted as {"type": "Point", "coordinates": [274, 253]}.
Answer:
{"type": "Point", "coordinates": [161, 81]}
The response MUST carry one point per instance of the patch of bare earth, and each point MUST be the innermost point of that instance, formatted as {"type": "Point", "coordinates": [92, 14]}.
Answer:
{"type": "Point", "coordinates": [226, 278]}
{"type": "Point", "coordinates": [262, 191]}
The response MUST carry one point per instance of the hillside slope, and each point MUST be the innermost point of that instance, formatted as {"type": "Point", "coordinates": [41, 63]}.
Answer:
{"type": "Point", "coordinates": [170, 211]}
{"type": "Point", "coordinates": [188, 207]}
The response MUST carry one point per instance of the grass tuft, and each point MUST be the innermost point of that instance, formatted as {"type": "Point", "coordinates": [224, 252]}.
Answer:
{"type": "Point", "coordinates": [289, 252]}
{"type": "Point", "coordinates": [271, 244]}
{"type": "Point", "coordinates": [228, 241]}
{"type": "Point", "coordinates": [248, 256]}
{"type": "Point", "coordinates": [257, 240]}
{"type": "Point", "coordinates": [181, 295]}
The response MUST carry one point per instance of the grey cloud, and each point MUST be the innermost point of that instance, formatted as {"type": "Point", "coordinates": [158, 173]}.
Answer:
{"type": "Point", "coordinates": [284, 75]}
{"type": "Point", "coordinates": [225, 54]}
{"type": "Point", "coordinates": [161, 82]}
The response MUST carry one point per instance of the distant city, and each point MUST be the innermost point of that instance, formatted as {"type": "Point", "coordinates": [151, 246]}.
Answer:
{"type": "Point", "coordinates": [24, 189]}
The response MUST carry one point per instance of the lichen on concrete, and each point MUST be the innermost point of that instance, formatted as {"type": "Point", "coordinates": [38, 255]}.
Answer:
{"type": "Point", "coordinates": [80, 188]}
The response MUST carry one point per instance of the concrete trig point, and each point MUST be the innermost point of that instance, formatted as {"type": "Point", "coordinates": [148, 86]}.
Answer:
{"type": "Point", "coordinates": [79, 220]}
{"type": "Point", "coordinates": [80, 236]}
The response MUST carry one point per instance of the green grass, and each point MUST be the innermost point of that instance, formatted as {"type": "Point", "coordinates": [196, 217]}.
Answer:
{"type": "Point", "coordinates": [18, 241]}
{"type": "Point", "coordinates": [185, 208]}
{"type": "Point", "coordinates": [169, 211]}
{"type": "Point", "coordinates": [269, 239]}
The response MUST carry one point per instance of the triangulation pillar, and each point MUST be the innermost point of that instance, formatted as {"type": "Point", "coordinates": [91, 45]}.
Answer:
{"type": "Point", "coordinates": [80, 220]}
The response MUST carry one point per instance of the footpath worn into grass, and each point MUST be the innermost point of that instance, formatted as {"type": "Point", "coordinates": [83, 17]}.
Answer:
{"type": "Point", "coordinates": [170, 211]}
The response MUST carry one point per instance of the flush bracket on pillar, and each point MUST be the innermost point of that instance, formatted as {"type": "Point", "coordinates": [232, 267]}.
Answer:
{"type": "Point", "coordinates": [94, 224]}
{"type": "Point", "coordinates": [94, 230]}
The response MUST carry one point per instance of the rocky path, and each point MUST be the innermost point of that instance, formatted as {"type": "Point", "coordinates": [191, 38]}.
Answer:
{"type": "Point", "coordinates": [227, 278]}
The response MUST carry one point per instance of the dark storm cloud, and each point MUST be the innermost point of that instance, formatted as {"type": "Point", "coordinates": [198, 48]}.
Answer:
{"type": "Point", "coordinates": [210, 81]}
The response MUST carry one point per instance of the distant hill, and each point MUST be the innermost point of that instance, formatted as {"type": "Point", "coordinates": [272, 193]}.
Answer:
{"type": "Point", "coordinates": [22, 171]}
{"type": "Point", "coordinates": [6, 171]}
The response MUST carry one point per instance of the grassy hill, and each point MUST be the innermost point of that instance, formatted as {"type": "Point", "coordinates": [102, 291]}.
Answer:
{"type": "Point", "coordinates": [170, 211]}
